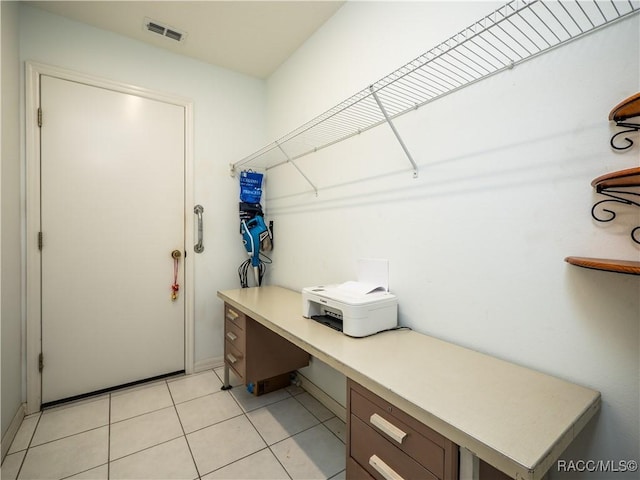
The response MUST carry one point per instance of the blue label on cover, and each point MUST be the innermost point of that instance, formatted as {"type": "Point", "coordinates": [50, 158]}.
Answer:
{"type": "Point", "coordinates": [250, 186]}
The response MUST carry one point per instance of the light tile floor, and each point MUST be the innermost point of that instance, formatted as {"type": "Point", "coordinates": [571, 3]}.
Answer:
{"type": "Point", "coordinates": [181, 428]}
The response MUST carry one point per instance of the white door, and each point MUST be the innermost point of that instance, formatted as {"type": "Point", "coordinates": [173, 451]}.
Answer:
{"type": "Point", "coordinates": [112, 212]}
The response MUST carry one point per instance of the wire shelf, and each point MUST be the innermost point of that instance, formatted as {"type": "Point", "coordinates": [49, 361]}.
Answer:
{"type": "Point", "coordinates": [516, 32]}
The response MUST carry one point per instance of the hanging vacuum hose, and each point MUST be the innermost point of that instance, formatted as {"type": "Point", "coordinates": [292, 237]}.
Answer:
{"type": "Point", "coordinates": [256, 236]}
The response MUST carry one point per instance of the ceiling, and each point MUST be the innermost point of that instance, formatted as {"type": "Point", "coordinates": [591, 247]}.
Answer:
{"type": "Point", "coordinates": [251, 37]}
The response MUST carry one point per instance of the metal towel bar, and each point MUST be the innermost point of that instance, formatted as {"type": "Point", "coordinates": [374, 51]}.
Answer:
{"type": "Point", "coordinates": [199, 247]}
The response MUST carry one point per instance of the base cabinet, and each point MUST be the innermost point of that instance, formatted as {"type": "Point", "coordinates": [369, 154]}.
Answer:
{"type": "Point", "coordinates": [256, 354]}
{"type": "Point", "coordinates": [356, 472]}
{"type": "Point", "coordinates": [386, 443]}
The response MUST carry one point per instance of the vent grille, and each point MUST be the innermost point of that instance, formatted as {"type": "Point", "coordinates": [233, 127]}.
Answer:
{"type": "Point", "coordinates": [155, 28]}
{"type": "Point", "coordinates": [164, 30]}
{"type": "Point", "coordinates": [173, 34]}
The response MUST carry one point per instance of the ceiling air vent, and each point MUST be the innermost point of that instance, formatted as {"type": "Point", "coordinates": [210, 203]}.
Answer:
{"type": "Point", "coordinates": [164, 30]}
{"type": "Point", "coordinates": [173, 34]}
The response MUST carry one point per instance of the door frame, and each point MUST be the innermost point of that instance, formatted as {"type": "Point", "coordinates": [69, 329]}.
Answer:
{"type": "Point", "coordinates": [32, 225]}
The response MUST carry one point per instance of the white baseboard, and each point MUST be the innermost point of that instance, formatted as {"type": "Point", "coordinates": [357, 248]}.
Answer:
{"type": "Point", "coordinates": [323, 397]}
{"type": "Point", "coordinates": [14, 426]}
{"type": "Point", "coordinates": [208, 364]}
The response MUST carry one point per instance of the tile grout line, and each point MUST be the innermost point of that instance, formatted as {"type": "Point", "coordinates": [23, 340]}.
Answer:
{"type": "Point", "coordinates": [300, 432]}
{"type": "Point", "coordinates": [28, 445]}
{"type": "Point", "coordinates": [213, 424]}
{"type": "Point", "coordinates": [268, 447]}
{"type": "Point", "coordinates": [85, 471]}
{"type": "Point", "coordinates": [184, 434]}
{"type": "Point", "coordinates": [142, 450]}
{"type": "Point", "coordinates": [142, 414]}
{"type": "Point", "coordinates": [166, 382]}
{"type": "Point", "coordinates": [245, 413]}
{"type": "Point", "coordinates": [31, 446]}
{"type": "Point", "coordinates": [194, 398]}
{"type": "Point", "coordinates": [108, 443]}
{"type": "Point", "coordinates": [66, 436]}
{"type": "Point", "coordinates": [335, 475]}
{"type": "Point", "coordinates": [137, 416]}
{"type": "Point", "coordinates": [247, 456]}
{"type": "Point", "coordinates": [334, 433]}
{"type": "Point", "coordinates": [322, 422]}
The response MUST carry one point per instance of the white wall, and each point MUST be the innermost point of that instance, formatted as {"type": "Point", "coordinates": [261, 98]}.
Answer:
{"type": "Point", "coordinates": [476, 243]}
{"type": "Point", "coordinates": [10, 220]}
{"type": "Point", "coordinates": [223, 101]}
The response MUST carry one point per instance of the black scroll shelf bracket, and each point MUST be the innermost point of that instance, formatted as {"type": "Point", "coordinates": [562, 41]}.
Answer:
{"type": "Point", "coordinates": [621, 187]}
{"type": "Point", "coordinates": [629, 108]}
{"type": "Point", "coordinates": [630, 128]}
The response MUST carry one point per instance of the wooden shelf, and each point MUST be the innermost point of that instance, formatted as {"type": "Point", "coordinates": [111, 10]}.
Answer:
{"type": "Point", "coordinates": [622, 188]}
{"type": "Point", "coordinates": [617, 187]}
{"type": "Point", "coordinates": [608, 265]}
{"type": "Point", "coordinates": [628, 108]}
{"type": "Point", "coordinates": [623, 178]}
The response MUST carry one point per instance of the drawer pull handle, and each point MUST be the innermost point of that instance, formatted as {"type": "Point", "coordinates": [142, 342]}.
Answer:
{"type": "Point", "coordinates": [232, 336]}
{"type": "Point", "coordinates": [387, 428]}
{"type": "Point", "coordinates": [383, 469]}
{"type": "Point", "coordinates": [231, 315]}
{"type": "Point", "coordinates": [231, 358]}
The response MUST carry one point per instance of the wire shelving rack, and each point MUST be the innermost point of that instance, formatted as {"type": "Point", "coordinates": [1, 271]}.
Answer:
{"type": "Point", "coordinates": [516, 32]}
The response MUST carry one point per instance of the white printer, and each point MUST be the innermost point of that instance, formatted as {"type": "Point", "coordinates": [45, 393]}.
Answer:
{"type": "Point", "coordinates": [356, 309]}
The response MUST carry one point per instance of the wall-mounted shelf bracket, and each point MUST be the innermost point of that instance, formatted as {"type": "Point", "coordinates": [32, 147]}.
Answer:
{"type": "Point", "coordinates": [290, 160]}
{"type": "Point", "coordinates": [628, 108]}
{"type": "Point", "coordinates": [630, 128]}
{"type": "Point", "coordinates": [620, 187]}
{"type": "Point", "coordinates": [395, 131]}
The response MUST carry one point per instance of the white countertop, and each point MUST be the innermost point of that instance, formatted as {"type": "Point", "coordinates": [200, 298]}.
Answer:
{"type": "Point", "coordinates": [514, 418]}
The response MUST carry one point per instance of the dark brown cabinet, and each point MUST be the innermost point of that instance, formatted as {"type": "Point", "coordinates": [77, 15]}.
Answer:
{"type": "Point", "coordinates": [384, 442]}
{"type": "Point", "coordinates": [255, 353]}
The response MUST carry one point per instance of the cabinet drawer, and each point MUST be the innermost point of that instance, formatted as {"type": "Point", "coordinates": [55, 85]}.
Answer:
{"type": "Point", "coordinates": [235, 359]}
{"type": "Point", "coordinates": [429, 453]}
{"type": "Point", "coordinates": [378, 455]}
{"type": "Point", "coordinates": [234, 335]}
{"type": "Point", "coordinates": [235, 316]}
{"type": "Point", "coordinates": [356, 472]}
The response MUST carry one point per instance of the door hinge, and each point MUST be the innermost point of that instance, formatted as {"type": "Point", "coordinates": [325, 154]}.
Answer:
{"type": "Point", "coordinates": [39, 117]}
{"type": "Point", "coordinates": [39, 240]}
{"type": "Point", "coordinates": [40, 362]}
